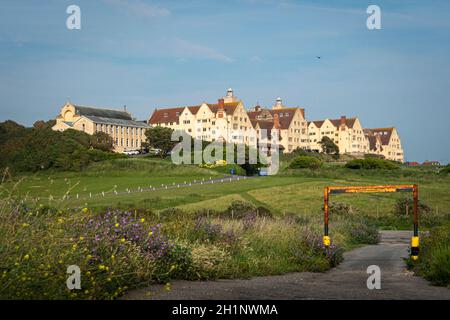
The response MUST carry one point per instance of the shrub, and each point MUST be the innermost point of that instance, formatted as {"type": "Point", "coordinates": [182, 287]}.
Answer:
{"type": "Point", "coordinates": [434, 258]}
{"type": "Point", "coordinates": [445, 170]}
{"type": "Point", "coordinates": [371, 163]}
{"type": "Point", "coordinates": [341, 209]}
{"type": "Point", "coordinates": [239, 209]}
{"type": "Point", "coordinates": [405, 207]}
{"type": "Point", "coordinates": [314, 256]}
{"type": "Point", "coordinates": [364, 233]}
{"type": "Point", "coordinates": [305, 162]}
{"type": "Point", "coordinates": [115, 251]}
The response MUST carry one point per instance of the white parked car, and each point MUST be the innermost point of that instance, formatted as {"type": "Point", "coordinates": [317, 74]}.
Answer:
{"type": "Point", "coordinates": [131, 152]}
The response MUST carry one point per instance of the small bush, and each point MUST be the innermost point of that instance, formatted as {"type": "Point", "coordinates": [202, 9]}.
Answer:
{"type": "Point", "coordinates": [434, 258]}
{"type": "Point", "coordinates": [445, 170]}
{"type": "Point", "coordinates": [371, 163]}
{"type": "Point", "coordinates": [363, 233]}
{"type": "Point", "coordinates": [405, 207]}
{"type": "Point", "coordinates": [314, 256]}
{"type": "Point", "coordinates": [239, 209]}
{"type": "Point", "coordinates": [341, 209]}
{"type": "Point", "coordinates": [305, 162]}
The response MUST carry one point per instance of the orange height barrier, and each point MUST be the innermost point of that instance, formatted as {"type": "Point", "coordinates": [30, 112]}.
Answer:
{"type": "Point", "coordinates": [371, 189]}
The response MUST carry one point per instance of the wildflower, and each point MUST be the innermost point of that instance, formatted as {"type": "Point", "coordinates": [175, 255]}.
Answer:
{"type": "Point", "coordinates": [25, 225]}
{"type": "Point", "coordinates": [85, 210]}
{"type": "Point", "coordinates": [116, 225]}
{"type": "Point", "coordinates": [168, 286]}
{"type": "Point", "coordinates": [101, 267]}
{"type": "Point", "coordinates": [142, 220]}
{"type": "Point", "coordinates": [88, 273]}
{"type": "Point", "coordinates": [108, 279]}
{"type": "Point", "coordinates": [26, 257]}
{"type": "Point", "coordinates": [89, 257]}
{"type": "Point", "coordinates": [150, 233]}
{"type": "Point", "coordinates": [122, 240]}
{"type": "Point", "coordinates": [113, 257]}
{"type": "Point", "coordinates": [60, 220]}
{"type": "Point", "coordinates": [81, 238]}
{"type": "Point", "coordinates": [74, 247]}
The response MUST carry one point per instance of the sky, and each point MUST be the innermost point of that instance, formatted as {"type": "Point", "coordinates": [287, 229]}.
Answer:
{"type": "Point", "coordinates": [154, 54]}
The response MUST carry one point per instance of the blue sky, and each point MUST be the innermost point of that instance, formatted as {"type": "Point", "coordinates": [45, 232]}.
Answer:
{"type": "Point", "coordinates": [148, 54]}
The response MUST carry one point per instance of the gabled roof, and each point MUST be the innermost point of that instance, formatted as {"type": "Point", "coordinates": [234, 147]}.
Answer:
{"type": "Point", "coordinates": [318, 124]}
{"type": "Point", "coordinates": [100, 112]}
{"type": "Point", "coordinates": [165, 115]}
{"type": "Point", "coordinates": [285, 116]}
{"type": "Point", "coordinates": [384, 134]}
{"type": "Point", "coordinates": [349, 122]}
{"type": "Point", "coordinates": [229, 107]}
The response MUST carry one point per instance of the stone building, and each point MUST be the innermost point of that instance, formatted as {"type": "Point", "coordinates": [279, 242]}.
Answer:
{"type": "Point", "coordinates": [127, 134]}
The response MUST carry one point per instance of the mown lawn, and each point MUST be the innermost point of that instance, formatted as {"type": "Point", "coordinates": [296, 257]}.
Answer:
{"type": "Point", "coordinates": [291, 192]}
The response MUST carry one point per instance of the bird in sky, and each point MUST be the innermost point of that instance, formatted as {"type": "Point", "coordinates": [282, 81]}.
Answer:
{"type": "Point", "coordinates": [319, 57]}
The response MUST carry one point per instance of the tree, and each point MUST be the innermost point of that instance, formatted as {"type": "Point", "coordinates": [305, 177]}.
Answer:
{"type": "Point", "coordinates": [160, 138]}
{"type": "Point", "coordinates": [101, 141]}
{"type": "Point", "coordinates": [42, 125]}
{"type": "Point", "coordinates": [328, 146]}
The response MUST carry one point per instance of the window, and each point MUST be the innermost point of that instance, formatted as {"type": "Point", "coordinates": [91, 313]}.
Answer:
{"type": "Point", "coordinates": [84, 127]}
{"type": "Point", "coordinates": [166, 115]}
{"type": "Point", "coordinates": [177, 114]}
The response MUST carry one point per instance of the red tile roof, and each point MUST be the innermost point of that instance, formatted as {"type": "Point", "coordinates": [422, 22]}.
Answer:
{"type": "Point", "coordinates": [383, 133]}
{"type": "Point", "coordinates": [166, 115]}
{"type": "Point", "coordinates": [285, 116]}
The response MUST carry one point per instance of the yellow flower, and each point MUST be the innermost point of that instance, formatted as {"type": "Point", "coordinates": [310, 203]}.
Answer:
{"type": "Point", "coordinates": [150, 233]}
{"type": "Point", "coordinates": [60, 220]}
{"type": "Point", "coordinates": [168, 286]}
{"type": "Point", "coordinates": [113, 257]}
{"type": "Point", "coordinates": [81, 238]}
{"type": "Point", "coordinates": [122, 240]}
{"type": "Point", "coordinates": [109, 279]}
{"type": "Point", "coordinates": [116, 225]}
{"type": "Point", "coordinates": [142, 220]}
{"type": "Point", "coordinates": [89, 257]}
{"type": "Point", "coordinates": [25, 225]}
{"type": "Point", "coordinates": [85, 210]}
{"type": "Point", "coordinates": [88, 273]}
{"type": "Point", "coordinates": [101, 267]}
{"type": "Point", "coordinates": [26, 257]}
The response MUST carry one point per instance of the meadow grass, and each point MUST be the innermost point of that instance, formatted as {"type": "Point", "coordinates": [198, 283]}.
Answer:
{"type": "Point", "coordinates": [209, 238]}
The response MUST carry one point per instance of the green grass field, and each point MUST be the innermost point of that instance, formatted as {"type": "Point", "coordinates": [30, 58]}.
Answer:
{"type": "Point", "coordinates": [216, 230]}
{"type": "Point", "coordinates": [294, 192]}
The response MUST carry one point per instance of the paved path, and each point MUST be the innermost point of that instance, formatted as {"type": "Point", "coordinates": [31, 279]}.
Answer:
{"type": "Point", "coordinates": [347, 281]}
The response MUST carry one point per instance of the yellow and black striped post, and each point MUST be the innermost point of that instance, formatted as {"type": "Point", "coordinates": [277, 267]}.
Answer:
{"type": "Point", "coordinates": [415, 238]}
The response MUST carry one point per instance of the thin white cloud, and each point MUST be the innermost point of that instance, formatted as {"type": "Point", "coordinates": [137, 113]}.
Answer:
{"type": "Point", "coordinates": [140, 8]}
{"type": "Point", "coordinates": [186, 49]}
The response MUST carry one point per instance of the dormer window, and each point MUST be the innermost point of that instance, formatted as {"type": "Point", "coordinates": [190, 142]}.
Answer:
{"type": "Point", "coordinates": [166, 115]}
{"type": "Point", "coordinates": [177, 114]}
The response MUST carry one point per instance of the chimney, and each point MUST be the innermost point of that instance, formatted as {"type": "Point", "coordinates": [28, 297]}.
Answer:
{"type": "Point", "coordinates": [125, 108]}
{"type": "Point", "coordinates": [221, 109]}
{"type": "Point", "coordinates": [257, 107]}
{"type": "Point", "coordinates": [276, 121]}
{"type": "Point", "coordinates": [343, 120]}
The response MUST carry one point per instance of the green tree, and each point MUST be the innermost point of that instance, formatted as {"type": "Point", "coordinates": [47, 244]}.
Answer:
{"type": "Point", "coordinates": [101, 141]}
{"type": "Point", "coordinates": [160, 138]}
{"type": "Point", "coordinates": [328, 146]}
